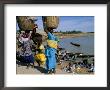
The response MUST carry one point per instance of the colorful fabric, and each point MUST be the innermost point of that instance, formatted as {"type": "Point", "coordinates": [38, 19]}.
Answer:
{"type": "Point", "coordinates": [41, 57]}
{"type": "Point", "coordinates": [26, 48]}
{"type": "Point", "coordinates": [52, 44]}
{"type": "Point", "coordinates": [28, 59]}
{"type": "Point", "coordinates": [50, 54]}
{"type": "Point", "coordinates": [25, 51]}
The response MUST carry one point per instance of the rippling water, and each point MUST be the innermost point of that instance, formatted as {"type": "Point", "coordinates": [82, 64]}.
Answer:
{"type": "Point", "coordinates": [86, 44]}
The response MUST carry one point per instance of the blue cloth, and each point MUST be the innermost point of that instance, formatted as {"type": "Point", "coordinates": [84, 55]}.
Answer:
{"type": "Point", "coordinates": [28, 59]}
{"type": "Point", "coordinates": [25, 53]}
{"type": "Point", "coordinates": [50, 54]}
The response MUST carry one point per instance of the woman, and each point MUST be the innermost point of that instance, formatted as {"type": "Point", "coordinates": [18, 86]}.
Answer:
{"type": "Point", "coordinates": [27, 49]}
{"type": "Point", "coordinates": [51, 51]}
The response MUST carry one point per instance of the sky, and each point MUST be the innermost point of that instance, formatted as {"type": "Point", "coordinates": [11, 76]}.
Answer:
{"type": "Point", "coordinates": [69, 23]}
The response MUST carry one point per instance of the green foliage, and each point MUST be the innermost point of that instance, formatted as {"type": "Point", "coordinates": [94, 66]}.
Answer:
{"type": "Point", "coordinates": [90, 32]}
{"type": "Point", "coordinates": [72, 32]}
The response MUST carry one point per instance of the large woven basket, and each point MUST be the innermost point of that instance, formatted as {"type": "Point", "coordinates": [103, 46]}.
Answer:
{"type": "Point", "coordinates": [25, 23]}
{"type": "Point", "coordinates": [51, 21]}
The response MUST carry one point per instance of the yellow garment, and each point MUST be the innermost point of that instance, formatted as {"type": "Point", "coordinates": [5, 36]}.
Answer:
{"type": "Point", "coordinates": [52, 43]}
{"type": "Point", "coordinates": [41, 57]}
{"type": "Point", "coordinates": [42, 63]}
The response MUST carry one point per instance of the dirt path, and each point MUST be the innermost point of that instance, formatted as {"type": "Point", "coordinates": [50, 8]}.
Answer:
{"type": "Point", "coordinates": [35, 70]}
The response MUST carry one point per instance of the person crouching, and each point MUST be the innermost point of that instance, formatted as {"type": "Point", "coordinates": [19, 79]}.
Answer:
{"type": "Point", "coordinates": [40, 57]}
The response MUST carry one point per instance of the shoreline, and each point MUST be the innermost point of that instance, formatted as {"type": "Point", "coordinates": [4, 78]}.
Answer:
{"type": "Point", "coordinates": [59, 70]}
{"type": "Point", "coordinates": [62, 36]}
{"type": "Point", "coordinates": [41, 70]}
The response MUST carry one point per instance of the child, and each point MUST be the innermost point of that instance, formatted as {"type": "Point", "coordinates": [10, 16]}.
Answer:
{"type": "Point", "coordinates": [40, 57]}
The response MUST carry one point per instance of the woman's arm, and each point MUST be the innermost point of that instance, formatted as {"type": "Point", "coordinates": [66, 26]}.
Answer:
{"type": "Point", "coordinates": [46, 30]}
{"type": "Point", "coordinates": [44, 23]}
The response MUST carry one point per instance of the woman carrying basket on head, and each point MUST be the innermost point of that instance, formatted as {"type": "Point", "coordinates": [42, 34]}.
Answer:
{"type": "Point", "coordinates": [50, 23]}
{"type": "Point", "coordinates": [51, 51]}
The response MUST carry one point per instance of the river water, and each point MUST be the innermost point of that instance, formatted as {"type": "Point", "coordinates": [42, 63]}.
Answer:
{"type": "Point", "coordinates": [86, 44]}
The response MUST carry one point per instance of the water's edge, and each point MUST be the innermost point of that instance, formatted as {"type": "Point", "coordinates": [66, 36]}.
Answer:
{"type": "Point", "coordinates": [86, 44]}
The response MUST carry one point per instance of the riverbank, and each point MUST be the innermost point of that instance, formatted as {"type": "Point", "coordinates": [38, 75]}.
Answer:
{"type": "Point", "coordinates": [62, 35]}
{"type": "Point", "coordinates": [41, 70]}
{"type": "Point", "coordinates": [64, 43]}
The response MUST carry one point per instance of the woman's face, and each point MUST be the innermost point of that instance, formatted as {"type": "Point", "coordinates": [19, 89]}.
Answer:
{"type": "Point", "coordinates": [50, 30]}
{"type": "Point", "coordinates": [25, 35]}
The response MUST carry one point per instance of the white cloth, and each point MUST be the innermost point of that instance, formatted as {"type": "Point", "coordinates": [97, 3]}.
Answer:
{"type": "Point", "coordinates": [23, 39]}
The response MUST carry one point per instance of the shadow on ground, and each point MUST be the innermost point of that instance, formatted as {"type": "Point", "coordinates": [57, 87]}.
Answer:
{"type": "Point", "coordinates": [21, 63]}
{"type": "Point", "coordinates": [41, 69]}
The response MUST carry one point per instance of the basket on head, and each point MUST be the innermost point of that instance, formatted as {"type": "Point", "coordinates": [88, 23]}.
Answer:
{"type": "Point", "coordinates": [50, 21]}
{"type": "Point", "coordinates": [25, 23]}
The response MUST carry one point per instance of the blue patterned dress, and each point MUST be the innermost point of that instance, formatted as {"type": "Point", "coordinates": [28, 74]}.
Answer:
{"type": "Point", "coordinates": [26, 52]}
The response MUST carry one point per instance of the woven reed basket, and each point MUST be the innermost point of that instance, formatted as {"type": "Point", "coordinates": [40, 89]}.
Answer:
{"type": "Point", "coordinates": [52, 21]}
{"type": "Point", "coordinates": [25, 23]}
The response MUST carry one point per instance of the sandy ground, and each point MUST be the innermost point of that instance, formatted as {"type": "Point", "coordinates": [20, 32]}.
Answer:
{"type": "Point", "coordinates": [41, 70]}
{"type": "Point", "coordinates": [20, 69]}
{"type": "Point", "coordinates": [23, 70]}
{"type": "Point", "coordinates": [60, 35]}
